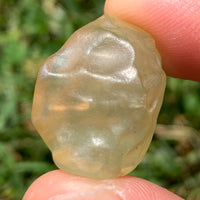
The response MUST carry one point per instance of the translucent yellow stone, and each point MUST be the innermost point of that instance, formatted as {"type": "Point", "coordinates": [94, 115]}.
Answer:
{"type": "Point", "coordinates": [97, 99]}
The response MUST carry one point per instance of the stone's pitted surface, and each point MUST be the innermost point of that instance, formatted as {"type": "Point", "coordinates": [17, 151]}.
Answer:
{"type": "Point", "coordinates": [97, 99]}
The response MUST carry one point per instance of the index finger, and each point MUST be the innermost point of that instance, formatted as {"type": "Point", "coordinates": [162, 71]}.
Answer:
{"type": "Point", "coordinates": [175, 26]}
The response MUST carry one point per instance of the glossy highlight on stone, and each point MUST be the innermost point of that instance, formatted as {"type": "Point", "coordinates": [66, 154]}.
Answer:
{"type": "Point", "coordinates": [97, 99]}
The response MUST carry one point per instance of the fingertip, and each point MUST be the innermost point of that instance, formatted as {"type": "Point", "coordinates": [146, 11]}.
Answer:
{"type": "Point", "coordinates": [58, 185]}
{"type": "Point", "coordinates": [175, 26]}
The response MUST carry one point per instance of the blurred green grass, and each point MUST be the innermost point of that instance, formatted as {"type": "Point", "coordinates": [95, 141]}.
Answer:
{"type": "Point", "coordinates": [30, 31]}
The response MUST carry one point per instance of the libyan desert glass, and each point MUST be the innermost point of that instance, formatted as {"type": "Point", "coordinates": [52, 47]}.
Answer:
{"type": "Point", "coordinates": [97, 99]}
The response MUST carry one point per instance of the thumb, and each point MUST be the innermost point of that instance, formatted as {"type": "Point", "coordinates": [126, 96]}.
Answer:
{"type": "Point", "coordinates": [58, 185]}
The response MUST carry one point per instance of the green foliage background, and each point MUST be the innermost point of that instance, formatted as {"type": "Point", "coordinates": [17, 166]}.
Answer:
{"type": "Point", "coordinates": [30, 31]}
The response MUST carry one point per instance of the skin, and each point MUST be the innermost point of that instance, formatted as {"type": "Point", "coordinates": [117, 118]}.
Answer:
{"type": "Point", "coordinates": [175, 26]}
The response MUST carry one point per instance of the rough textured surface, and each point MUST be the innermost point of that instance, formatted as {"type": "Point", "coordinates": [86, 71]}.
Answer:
{"type": "Point", "coordinates": [97, 99]}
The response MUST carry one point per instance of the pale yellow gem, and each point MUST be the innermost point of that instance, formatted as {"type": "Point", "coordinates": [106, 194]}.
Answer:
{"type": "Point", "coordinates": [97, 99]}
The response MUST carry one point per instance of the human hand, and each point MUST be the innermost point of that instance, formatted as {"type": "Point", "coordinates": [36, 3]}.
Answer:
{"type": "Point", "coordinates": [175, 25]}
